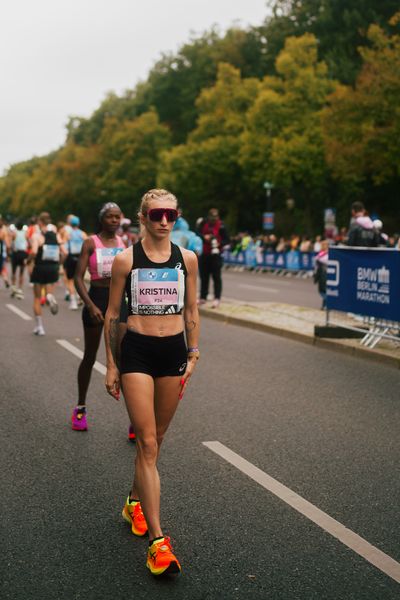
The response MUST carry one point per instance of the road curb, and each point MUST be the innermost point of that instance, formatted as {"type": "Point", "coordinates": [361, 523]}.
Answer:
{"type": "Point", "coordinates": [335, 345]}
{"type": "Point", "coordinates": [229, 319]}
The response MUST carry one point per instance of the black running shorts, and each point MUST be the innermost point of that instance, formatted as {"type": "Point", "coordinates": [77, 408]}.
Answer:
{"type": "Point", "coordinates": [18, 259]}
{"type": "Point", "coordinates": [70, 265]}
{"type": "Point", "coordinates": [45, 274]}
{"type": "Point", "coordinates": [153, 355]}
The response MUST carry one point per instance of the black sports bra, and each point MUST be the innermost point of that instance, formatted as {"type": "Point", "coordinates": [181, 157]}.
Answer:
{"type": "Point", "coordinates": [156, 288]}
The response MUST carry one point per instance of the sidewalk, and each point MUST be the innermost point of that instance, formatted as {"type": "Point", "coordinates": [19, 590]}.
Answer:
{"type": "Point", "coordinates": [298, 323]}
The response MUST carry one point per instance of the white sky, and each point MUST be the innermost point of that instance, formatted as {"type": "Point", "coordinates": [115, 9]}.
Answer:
{"type": "Point", "coordinates": [60, 57]}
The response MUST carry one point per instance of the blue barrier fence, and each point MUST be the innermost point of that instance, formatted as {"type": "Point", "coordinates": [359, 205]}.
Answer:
{"type": "Point", "coordinates": [293, 260]}
{"type": "Point", "coordinates": [365, 282]}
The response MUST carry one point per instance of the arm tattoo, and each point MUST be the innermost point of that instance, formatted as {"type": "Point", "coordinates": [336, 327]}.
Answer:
{"type": "Point", "coordinates": [113, 338]}
{"type": "Point", "coordinates": [190, 325]}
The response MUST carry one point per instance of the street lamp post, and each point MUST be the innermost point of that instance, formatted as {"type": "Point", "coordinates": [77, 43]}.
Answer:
{"type": "Point", "coordinates": [268, 216]}
{"type": "Point", "coordinates": [268, 189]}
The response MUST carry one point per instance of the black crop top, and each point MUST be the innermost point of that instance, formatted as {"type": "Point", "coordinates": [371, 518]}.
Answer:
{"type": "Point", "coordinates": [156, 288]}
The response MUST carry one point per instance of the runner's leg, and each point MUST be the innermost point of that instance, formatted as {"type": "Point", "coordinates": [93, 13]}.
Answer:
{"type": "Point", "coordinates": [37, 293]}
{"type": "Point", "coordinates": [92, 336]}
{"type": "Point", "coordinates": [151, 406]}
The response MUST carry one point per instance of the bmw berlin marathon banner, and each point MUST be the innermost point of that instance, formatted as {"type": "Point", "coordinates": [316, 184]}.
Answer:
{"type": "Point", "coordinates": [364, 281]}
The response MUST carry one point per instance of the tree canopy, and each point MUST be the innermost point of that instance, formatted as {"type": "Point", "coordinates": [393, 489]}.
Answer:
{"type": "Point", "coordinates": [309, 100]}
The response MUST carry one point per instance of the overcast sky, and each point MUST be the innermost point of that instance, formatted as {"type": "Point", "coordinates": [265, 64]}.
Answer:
{"type": "Point", "coordinates": [60, 57]}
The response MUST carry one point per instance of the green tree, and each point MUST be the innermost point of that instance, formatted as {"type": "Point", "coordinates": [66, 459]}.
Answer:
{"type": "Point", "coordinates": [130, 153]}
{"type": "Point", "coordinates": [62, 183]}
{"type": "Point", "coordinates": [283, 142]}
{"type": "Point", "coordinates": [85, 132]}
{"type": "Point", "coordinates": [362, 124]}
{"type": "Point", "coordinates": [205, 171]}
{"type": "Point", "coordinates": [339, 25]}
{"type": "Point", "coordinates": [12, 180]}
{"type": "Point", "coordinates": [176, 81]}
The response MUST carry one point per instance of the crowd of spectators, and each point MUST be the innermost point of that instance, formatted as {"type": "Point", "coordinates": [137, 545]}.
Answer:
{"type": "Point", "coordinates": [304, 243]}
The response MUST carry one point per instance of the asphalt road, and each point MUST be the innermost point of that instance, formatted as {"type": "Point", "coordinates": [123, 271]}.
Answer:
{"type": "Point", "coordinates": [265, 287]}
{"type": "Point", "coordinates": [323, 424]}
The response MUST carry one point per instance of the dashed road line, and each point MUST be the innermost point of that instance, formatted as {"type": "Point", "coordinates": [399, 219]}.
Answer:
{"type": "Point", "coordinates": [373, 555]}
{"type": "Point", "coordinates": [77, 352]}
{"type": "Point", "coordinates": [19, 312]}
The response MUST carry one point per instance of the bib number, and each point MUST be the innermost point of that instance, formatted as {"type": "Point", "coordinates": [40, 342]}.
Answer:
{"type": "Point", "coordinates": [157, 291]}
{"type": "Point", "coordinates": [105, 258]}
{"type": "Point", "coordinates": [51, 252]}
{"type": "Point", "coordinates": [75, 247]}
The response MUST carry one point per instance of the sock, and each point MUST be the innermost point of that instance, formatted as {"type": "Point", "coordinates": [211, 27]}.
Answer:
{"type": "Point", "coordinates": [81, 408]}
{"type": "Point", "coordinates": [132, 499]}
{"type": "Point", "coordinates": [157, 539]}
{"type": "Point", "coordinates": [39, 321]}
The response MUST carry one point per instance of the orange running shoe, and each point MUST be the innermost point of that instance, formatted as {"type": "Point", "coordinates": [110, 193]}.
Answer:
{"type": "Point", "coordinates": [133, 514]}
{"type": "Point", "coordinates": [160, 558]}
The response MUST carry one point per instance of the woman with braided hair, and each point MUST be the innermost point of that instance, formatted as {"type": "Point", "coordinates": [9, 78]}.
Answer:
{"type": "Point", "coordinates": [97, 255]}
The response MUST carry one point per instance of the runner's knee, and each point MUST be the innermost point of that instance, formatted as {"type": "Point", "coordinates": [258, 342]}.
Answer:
{"type": "Point", "coordinates": [147, 447]}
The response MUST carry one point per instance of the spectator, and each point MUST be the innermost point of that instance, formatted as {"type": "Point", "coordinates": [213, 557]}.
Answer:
{"type": "Point", "coordinates": [246, 240]}
{"type": "Point", "coordinates": [214, 235]}
{"type": "Point", "coordinates": [341, 237]}
{"type": "Point", "coordinates": [282, 245]}
{"type": "Point", "coordinates": [294, 242]}
{"type": "Point", "coordinates": [362, 231]}
{"type": "Point", "coordinates": [270, 242]}
{"type": "Point", "coordinates": [383, 238]}
{"type": "Point", "coordinates": [317, 244]}
{"type": "Point", "coordinates": [321, 264]}
{"type": "Point", "coordinates": [306, 244]}
{"type": "Point", "coordinates": [236, 243]}
{"type": "Point", "coordinates": [184, 237]}
{"type": "Point", "coordinates": [259, 249]}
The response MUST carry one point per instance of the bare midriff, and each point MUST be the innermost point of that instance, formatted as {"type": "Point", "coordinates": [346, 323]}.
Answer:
{"type": "Point", "coordinates": [156, 325]}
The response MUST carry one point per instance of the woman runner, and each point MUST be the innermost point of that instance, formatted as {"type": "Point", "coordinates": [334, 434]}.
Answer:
{"type": "Point", "coordinates": [97, 255]}
{"type": "Point", "coordinates": [45, 252]}
{"type": "Point", "coordinates": [73, 246]}
{"type": "Point", "coordinates": [4, 246]}
{"type": "Point", "coordinates": [155, 367]}
{"type": "Point", "coordinates": [19, 254]}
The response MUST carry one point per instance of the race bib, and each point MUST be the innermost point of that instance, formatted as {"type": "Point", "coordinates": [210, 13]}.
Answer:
{"type": "Point", "coordinates": [51, 252]}
{"type": "Point", "coordinates": [75, 247]}
{"type": "Point", "coordinates": [105, 258]}
{"type": "Point", "coordinates": [157, 292]}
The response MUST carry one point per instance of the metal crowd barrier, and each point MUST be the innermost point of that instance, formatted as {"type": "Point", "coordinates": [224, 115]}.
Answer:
{"type": "Point", "coordinates": [378, 330]}
{"type": "Point", "coordinates": [365, 283]}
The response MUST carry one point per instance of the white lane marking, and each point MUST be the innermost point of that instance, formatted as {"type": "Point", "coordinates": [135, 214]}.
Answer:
{"type": "Point", "coordinates": [258, 287]}
{"type": "Point", "coordinates": [74, 350]}
{"type": "Point", "coordinates": [376, 557]}
{"type": "Point", "coordinates": [19, 312]}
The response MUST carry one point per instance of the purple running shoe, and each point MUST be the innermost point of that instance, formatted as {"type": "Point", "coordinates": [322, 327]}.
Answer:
{"type": "Point", "coordinates": [78, 419]}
